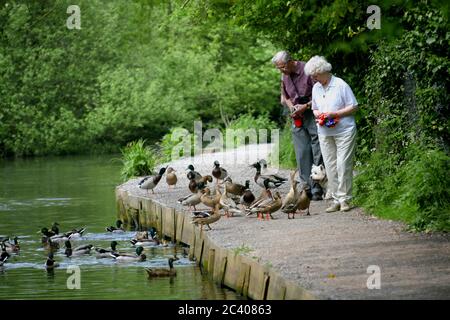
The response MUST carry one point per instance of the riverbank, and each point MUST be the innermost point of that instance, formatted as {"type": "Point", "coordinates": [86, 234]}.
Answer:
{"type": "Point", "coordinates": [322, 256]}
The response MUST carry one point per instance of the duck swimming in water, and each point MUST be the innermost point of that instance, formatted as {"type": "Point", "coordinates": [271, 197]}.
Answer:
{"type": "Point", "coordinates": [161, 272]}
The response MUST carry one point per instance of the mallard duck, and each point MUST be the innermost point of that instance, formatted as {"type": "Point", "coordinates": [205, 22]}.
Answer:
{"type": "Point", "coordinates": [145, 242]}
{"type": "Point", "coordinates": [55, 227]}
{"type": "Point", "coordinates": [205, 217]}
{"type": "Point", "coordinates": [192, 200]}
{"type": "Point", "coordinates": [272, 181]}
{"type": "Point", "coordinates": [303, 200]}
{"type": "Point", "coordinates": [229, 205]}
{"type": "Point", "coordinates": [197, 176]}
{"type": "Point", "coordinates": [50, 264]}
{"type": "Point", "coordinates": [117, 229]}
{"type": "Point", "coordinates": [290, 202]}
{"type": "Point", "coordinates": [207, 199]}
{"type": "Point", "coordinates": [122, 257]}
{"type": "Point", "coordinates": [234, 188]}
{"type": "Point", "coordinates": [150, 182]}
{"type": "Point", "coordinates": [267, 207]}
{"type": "Point", "coordinates": [247, 197]}
{"type": "Point", "coordinates": [12, 247]}
{"type": "Point", "coordinates": [105, 253]}
{"type": "Point", "coordinates": [218, 172]}
{"type": "Point", "coordinates": [78, 251]}
{"type": "Point", "coordinates": [159, 272]}
{"type": "Point", "coordinates": [148, 234]}
{"type": "Point", "coordinates": [51, 246]}
{"type": "Point", "coordinates": [4, 255]}
{"type": "Point", "coordinates": [171, 177]}
{"type": "Point", "coordinates": [47, 235]}
{"type": "Point", "coordinates": [75, 233]}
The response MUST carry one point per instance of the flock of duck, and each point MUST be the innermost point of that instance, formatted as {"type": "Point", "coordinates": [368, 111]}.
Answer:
{"type": "Point", "coordinates": [52, 241]}
{"type": "Point", "coordinates": [234, 198]}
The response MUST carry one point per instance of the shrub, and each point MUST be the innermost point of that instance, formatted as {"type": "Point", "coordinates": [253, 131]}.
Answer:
{"type": "Point", "coordinates": [138, 160]}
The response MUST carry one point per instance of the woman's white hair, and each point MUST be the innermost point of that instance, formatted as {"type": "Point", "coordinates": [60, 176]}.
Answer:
{"type": "Point", "coordinates": [316, 65]}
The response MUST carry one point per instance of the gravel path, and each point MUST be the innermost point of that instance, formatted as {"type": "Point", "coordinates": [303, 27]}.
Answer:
{"type": "Point", "coordinates": [326, 253]}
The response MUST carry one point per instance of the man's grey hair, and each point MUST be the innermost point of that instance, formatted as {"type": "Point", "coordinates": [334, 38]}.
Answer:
{"type": "Point", "coordinates": [317, 65]}
{"type": "Point", "coordinates": [281, 56]}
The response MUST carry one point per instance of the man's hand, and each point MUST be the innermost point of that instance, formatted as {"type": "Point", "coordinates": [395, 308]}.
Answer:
{"type": "Point", "coordinates": [298, 110]}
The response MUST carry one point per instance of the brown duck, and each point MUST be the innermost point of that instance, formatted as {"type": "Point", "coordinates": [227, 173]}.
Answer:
{"type": "Point", "coordinates": [171, 177]}
{"type": "Point", "coordinates": [161, 272]}
{"type": "Point", "coordinates": [206, 217]}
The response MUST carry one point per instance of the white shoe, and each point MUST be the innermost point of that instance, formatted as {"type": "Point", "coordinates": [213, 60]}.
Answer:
{"type": "Point", "coordinates": [345, 206]}
{"type": "Point", "coordinates": [334, 207]}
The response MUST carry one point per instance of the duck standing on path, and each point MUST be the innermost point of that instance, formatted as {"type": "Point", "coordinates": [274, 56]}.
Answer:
{"type": "Point", "coordinates": [160, 272]}
{"type": "Point", "coordinates": [267, 207]}
{"type": "Point", "coordinates": [234, 188]}
{"type": "Point", "coordinates": [268, 182]}
{"type": "Point", "coordinates": [218, 172]}
{"type": "Point", "coordinates": [150, 182]}
{"type": "Point", "coordinates": [205, 217]}
{"type": "Point", "coordinates": [247, 197]}
{"type": "Point", "coordinates": [228, 205]}
{"type": "Point", "coordinates": [171, 177]}
{"type": "Point", "coordinates": [304, 200]}
{"type": "Point", "coordinates": [117, 229]}
{"type": "Point", "coordinates": [290, 202]}
{"type": "Point", "coordinates": [191, 200]}
{"type": "Point", "coordinates": [197, 176]}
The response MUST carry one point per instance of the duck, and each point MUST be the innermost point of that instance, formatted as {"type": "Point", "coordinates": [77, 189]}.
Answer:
{"type": "Point", "coordinates": [105, 253]}
{"type": "Point", "coordinates": [272, 180]}
{"type": "Point", "coordinates": [304, 200]}
{"type": "Point", "coordinates": [117, 229]}
{"type": "Point", "coordinates": [171, 177]}
{"type": "Point", "coordinates": [218, 172]}
{"type": "Point", "coordinates": [51, 246]}
{"type": "Point", "coordinates": [143, 235]}
{"type": "Point", "coordinates": [50, 264]}
{"type": "Point", "coordinates": [160, 272]}
{"type": "Point", "coordinates": [145, 242]}
{"type": "Point", "coordinates": [78, 251]}
{"type": "Point", "coordinates": [75, 233]}
{"type": "Point", "coordinates": [247, 197]}
{"type": "Point", "coordinates": [207, 199]}
{"type": "Point", "coordinates": [12, 247]}
{"type": "Point", "coordinates": [4, 256]}
{"type": "Point", "coordinates": [290, 201]}
{"type": "Point", "coordinates": [51, 235]}
{"type": "Point", "coordinates": [234, 188]}
{"type": "Point", "coordinates": [191, 200]}
{"type": "Point", "coordinates": [267, 207]}
{"type": "Point", "coordinates": [123, 257]}
{"type": "Point", "coordinates": [228, 204]}
{"type": "Point", "coordinates": [55, 227]}
{"type": "Point", "coordinates": [197, 176]}
{"type": "Point", "coordinates": [150, 182]}
{"type": "Point", "coordinates": [206, 217]}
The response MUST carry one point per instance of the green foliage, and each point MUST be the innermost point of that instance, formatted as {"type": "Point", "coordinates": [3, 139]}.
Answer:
{"type": "Point", "coordinates": [415, 191]}
{"type": "Point", "coordinates": [249, 128]}
{"type": "Point", "coordinates": [138, 160]}
{"type": "Point", "coordinates": [286, 150]}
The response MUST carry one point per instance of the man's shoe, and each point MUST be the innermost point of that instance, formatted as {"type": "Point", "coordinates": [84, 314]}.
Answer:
{"type": "Point", "coordinates": [334, 207]}
{"type": "Point", "coordinates": [345, 206]}
{"type": "Point", "coordinates": [316, 197]}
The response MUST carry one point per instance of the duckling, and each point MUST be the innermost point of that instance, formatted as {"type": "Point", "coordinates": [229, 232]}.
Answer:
{"type": "Point", "coordinates": [218, 172]}
{"type": "Point", "coordinates": [206, 217]}
{"type": "Point", "coordinates": [117, 229]}
{"type": "Point", "coordinates": [139, 257]}
{"type": "Point", "coordinates": [191, 200]}
{"type": "Point", "coordinates": [290, 201]}
{"type": "Point", "coordinates": [228, 204]}
{"type": "Point", "coordinates": [50, 264]}
{"type": "Point", "coordinates": [234, 188]}
{"type": "Point", "coordinates": [105, 253]}
{"type": "Point", "coordinates": [159, 272]}
{"type": "Point", "coordinates": [150, 182]}
{"type": "Point", "coordinates": [273, 181]}
{"type": "Point", "coordinates": [268, 207]}
{"type": "Point", "coordinates": [84, 249]}
{"type": "Point", "coordinates": [190, 168]}
{"type": "Point", "coordinates": [247, 197]}
{"type": "Point", "coordinates": [171, 177]}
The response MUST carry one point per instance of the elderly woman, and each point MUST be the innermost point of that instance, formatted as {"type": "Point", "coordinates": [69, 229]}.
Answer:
{"type": "Point", "coordinates": [333, 104]}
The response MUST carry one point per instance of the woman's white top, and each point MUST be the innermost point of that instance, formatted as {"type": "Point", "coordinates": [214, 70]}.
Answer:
{"type": "Point", "coordinates": [336, 96]}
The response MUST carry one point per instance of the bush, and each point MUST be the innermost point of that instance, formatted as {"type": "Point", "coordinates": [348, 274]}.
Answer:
{"type": "Point", "coordinates": [286, 150]}
{"type": "Point", "coordinates": [415, 191]}
{"type": "Point", "coordinates": [249, 122]}
{"type": "Point", "coordinates": [138, 160]}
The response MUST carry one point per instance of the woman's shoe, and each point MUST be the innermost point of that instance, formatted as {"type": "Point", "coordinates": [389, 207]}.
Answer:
{"type": "Point", "coordinates": [336, 206]}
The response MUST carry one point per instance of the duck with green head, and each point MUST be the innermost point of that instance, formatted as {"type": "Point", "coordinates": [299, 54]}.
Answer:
{"type": "Point", "coordinates": [78, 251]}
{"type": "Point", "coordinates": [139, 257]}
{"type": "Point", "coordinates": [117, 229]}
{"type": "Point", "coordinates": [106, 253]}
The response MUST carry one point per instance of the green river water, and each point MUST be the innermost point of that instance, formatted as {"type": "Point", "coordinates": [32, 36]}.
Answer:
{"type": "Point", "coordinates": [79, 192]}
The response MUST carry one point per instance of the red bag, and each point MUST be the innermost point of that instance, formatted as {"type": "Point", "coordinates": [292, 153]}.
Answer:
{"type": "Point", "coordinates": [298, 122]}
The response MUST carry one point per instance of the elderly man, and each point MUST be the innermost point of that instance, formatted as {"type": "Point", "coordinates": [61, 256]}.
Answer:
{"type": "Point", "coordinates": [296, 90]}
